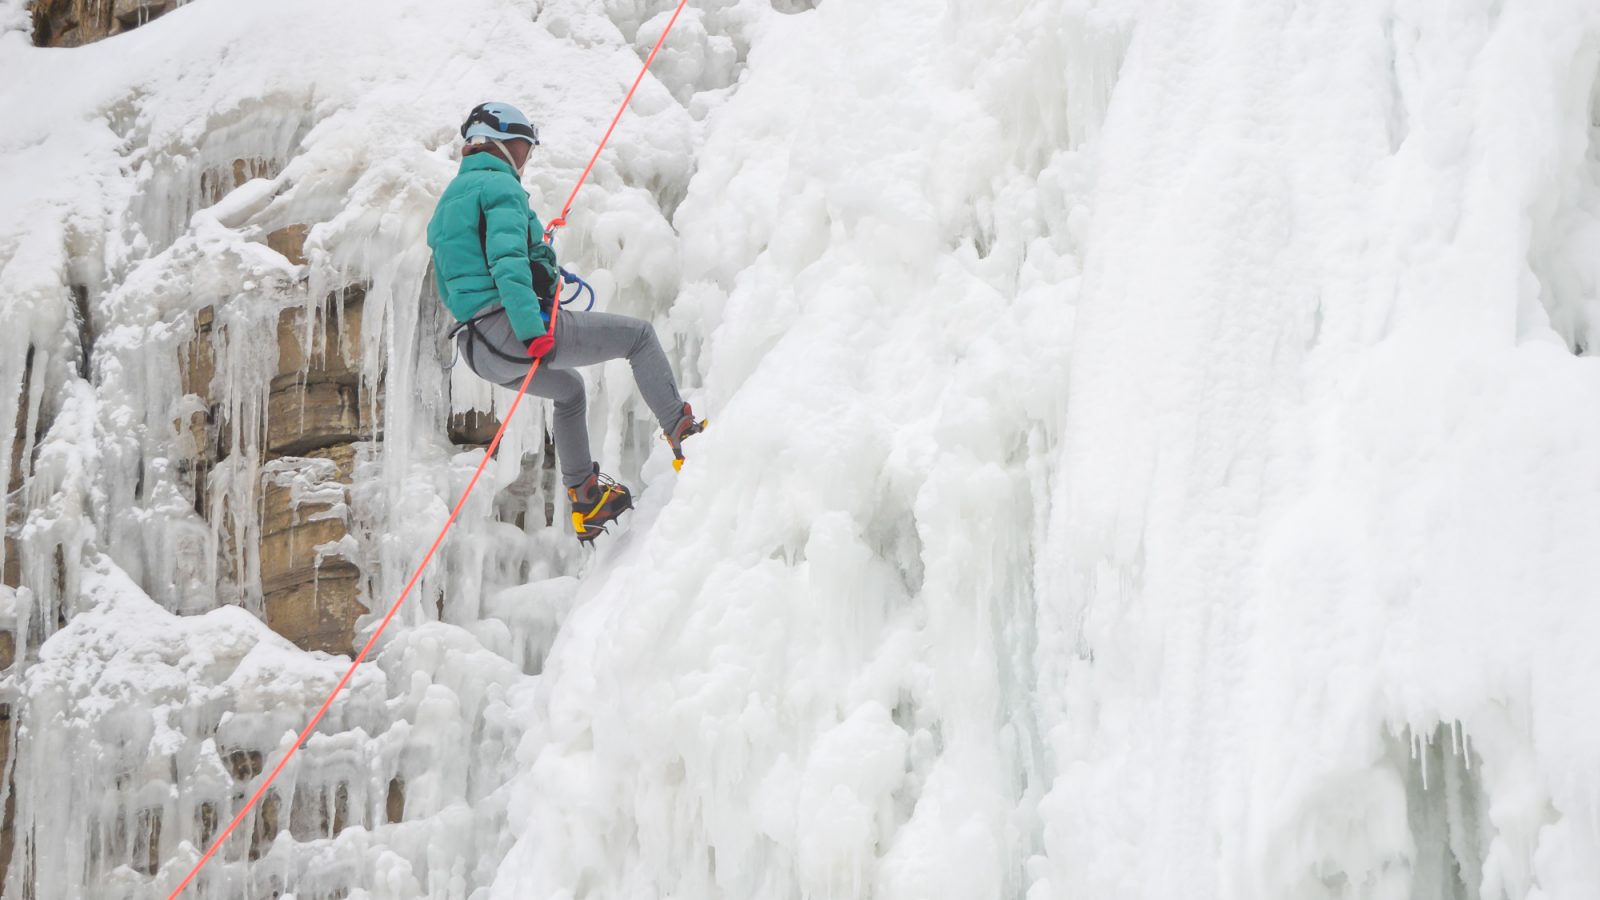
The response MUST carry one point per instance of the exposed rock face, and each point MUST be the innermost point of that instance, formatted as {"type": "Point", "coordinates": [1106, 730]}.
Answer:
{"type": "Point", "coordinates": [312, 592]}
{"type": "Point", "coordinates": [291, 242]}
{"type": "Point", "coordinates": [15, 479]}
{"type": "Point", "coordinates": [316, 413]}
{"type": "Point", "coordinates": [73, 23]}
{"type": "Point", "coordinates": [316, 399]}
{"type": "Point", "coordinates": [473, 428]}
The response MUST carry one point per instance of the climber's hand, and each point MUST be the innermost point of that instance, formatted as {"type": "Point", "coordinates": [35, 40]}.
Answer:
{"type": "Point", "coordinates": [541, 345]}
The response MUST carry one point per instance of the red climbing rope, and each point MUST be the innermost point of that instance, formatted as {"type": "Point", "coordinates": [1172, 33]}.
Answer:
{"type": "Point", "coordinates": [557, 222]}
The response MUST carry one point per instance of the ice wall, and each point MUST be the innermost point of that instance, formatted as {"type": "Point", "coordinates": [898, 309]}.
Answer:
{"type": "Point", "coordinates": [1151, 454]}
{"type": "Point", "coordinates": [1327, 482]}
{"type": "Point", "coordinates": [1265, 575]}
{"type": "Point", "coordinates": [814, 672]}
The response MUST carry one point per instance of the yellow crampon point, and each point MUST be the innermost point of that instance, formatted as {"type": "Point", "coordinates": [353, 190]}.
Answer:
{"type": "Point", "coordinates": [677, 449]}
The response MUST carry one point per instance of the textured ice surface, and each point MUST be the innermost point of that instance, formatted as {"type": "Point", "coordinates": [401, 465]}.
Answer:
{"type": "Point", "coordinates": [1152, 454]}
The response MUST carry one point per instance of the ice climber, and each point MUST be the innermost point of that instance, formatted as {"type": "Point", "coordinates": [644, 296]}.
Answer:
{"type": "Point", "coordinates": [498, 278]}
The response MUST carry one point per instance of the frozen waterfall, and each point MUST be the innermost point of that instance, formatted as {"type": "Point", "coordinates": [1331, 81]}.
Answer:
{"type": "Point", "coordinates": [1153, 455]}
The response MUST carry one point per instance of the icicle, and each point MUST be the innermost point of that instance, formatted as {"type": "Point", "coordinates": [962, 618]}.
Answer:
{"type": "Point", "coordinates": [1424, 743]}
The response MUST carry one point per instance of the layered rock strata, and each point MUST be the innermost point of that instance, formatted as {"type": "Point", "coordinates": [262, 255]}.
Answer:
{"type": "Point", "coordinates": [73, 23]}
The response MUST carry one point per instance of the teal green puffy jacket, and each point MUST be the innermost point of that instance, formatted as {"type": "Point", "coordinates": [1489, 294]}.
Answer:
{"type": "Point", "coordinates": [488, 246]}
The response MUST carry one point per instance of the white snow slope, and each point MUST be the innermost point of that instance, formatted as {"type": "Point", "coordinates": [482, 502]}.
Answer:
{"type": "Point", "coordinates": [1153, 454]}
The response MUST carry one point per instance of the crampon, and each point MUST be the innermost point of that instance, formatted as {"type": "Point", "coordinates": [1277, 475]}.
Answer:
{"type": "Point", "coordinates": [596, 503]}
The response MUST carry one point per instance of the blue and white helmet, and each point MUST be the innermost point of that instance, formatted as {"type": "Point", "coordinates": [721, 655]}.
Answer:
{"type": "Point", "coordinates": [498, 122]}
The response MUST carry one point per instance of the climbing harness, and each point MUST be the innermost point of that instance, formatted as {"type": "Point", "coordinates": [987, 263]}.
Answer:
{"type": "Point", "coordinates": [488, 454]}
{"type": "Point", "coordinates": [479, 341]}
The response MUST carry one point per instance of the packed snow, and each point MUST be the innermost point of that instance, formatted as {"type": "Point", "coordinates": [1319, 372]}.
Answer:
{"type": "Point", "coordinates": [1152, 455]}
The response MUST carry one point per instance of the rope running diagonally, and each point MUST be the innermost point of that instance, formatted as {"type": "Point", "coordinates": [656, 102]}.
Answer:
{"type": "Point", "coordinates": [416, 576]}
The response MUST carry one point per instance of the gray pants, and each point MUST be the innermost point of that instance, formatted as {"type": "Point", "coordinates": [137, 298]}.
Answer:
{"type": "Point", "coordinates": [582, 339]}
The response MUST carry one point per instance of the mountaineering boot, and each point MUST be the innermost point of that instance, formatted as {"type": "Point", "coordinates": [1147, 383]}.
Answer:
{"type": "Point", "coordinates": [597, 501]}
{"type": "Point", "coordinates": [687, 425]}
